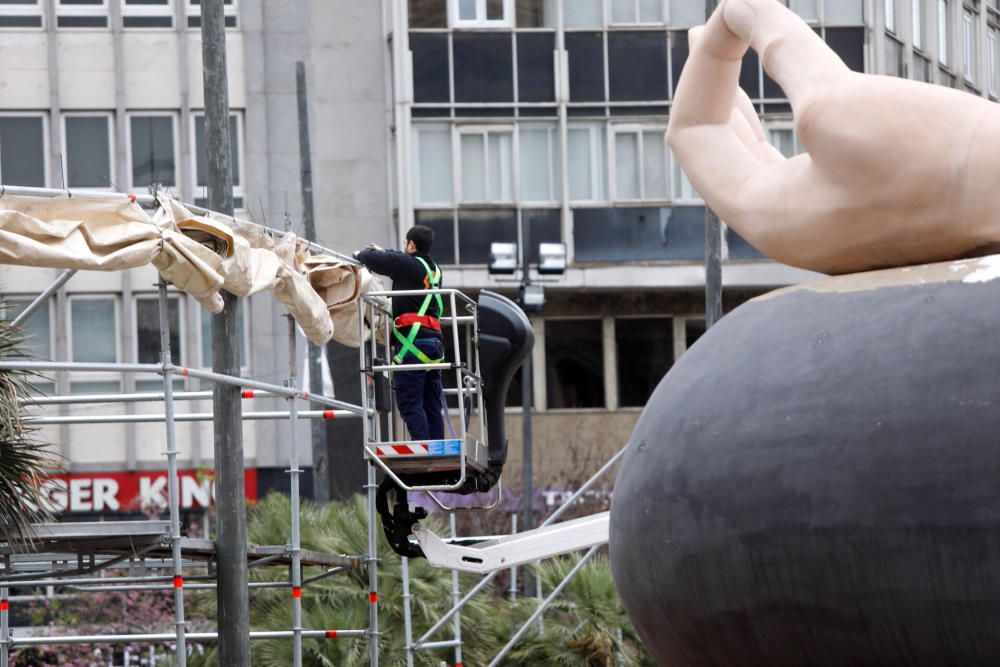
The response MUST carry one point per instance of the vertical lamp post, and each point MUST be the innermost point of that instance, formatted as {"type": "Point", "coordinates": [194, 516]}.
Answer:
{"type": "Point", "coordinates": [506, 259]}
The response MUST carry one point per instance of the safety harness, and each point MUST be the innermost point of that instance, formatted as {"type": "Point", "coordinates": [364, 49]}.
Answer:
{"type": "Point", "coordinates": [419, 319]}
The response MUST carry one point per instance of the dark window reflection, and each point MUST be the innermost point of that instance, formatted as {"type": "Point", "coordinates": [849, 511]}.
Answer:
{"type": "Point", "coordinates": [645, 353]}
{"type": "Point", "coordinates": [586, 66]}
{"type": "Point", "coordinates": [443, 224]}
{"type": "Point", "coordinates": [637, 65]}
{"type": "Point", "coordinates": [750, 75]}
{"type": "Point", "coordinates": [535, 74]}
{"type": "Point", "coordinates": [574, 364]}
{"type": "Point", "coordinates": [428, 14]}
{"type": "Point", "coordinates": [849, 43]}
{"type": "Point", "coordinates": [544, 226]}
{"type": "Point", "coordinates": [678, 56]}
{"type": "Point", "coordinates": [478, 228]}
{"type": "Point", "coordinates": [693, 330]}
{"type": "Point", "coordinates": [147, 316]}
{"type": "Point", "coordinates": [430, 67]}
{"type": "Point", "coordinates": [484, 70]}
{"type": "Point", "coordinates": [22, 151]}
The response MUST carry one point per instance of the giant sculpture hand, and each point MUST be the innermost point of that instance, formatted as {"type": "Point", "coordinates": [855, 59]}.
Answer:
{"type": "Point", "coordinates": [897, 172]}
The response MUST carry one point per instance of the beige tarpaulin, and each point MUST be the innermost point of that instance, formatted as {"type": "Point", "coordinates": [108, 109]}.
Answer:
{"type": "Point", "coordinates": [197, 254]}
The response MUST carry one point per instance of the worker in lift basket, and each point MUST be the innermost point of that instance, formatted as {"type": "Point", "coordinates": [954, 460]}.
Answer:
{"type": "Point", "coordinates": [416, 329]}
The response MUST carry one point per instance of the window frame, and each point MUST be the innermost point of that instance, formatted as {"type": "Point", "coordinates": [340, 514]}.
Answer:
{"type": "Point", "coordinates": [239, 190]}
{"type": "Point", "coordinates": [75, 11]}
{"type": "Point", "coordinates": [993, 61]}
{"type": "Point", "coordinates": [178, 167]}
{"type": "Point", "coordinates": [889, 9]}
{"type": "Point", "coordinates": [45, 141]}
{"type": "Point", "coordinates": [944, 36]}
{"type": "Point", "coordinates": [618, 364]}
{"type": "Point", "coordinates": [481, 21]}
{"type": "Point", "coordinates": [969, 46]}
{"type": "Point", "coordinates": [919, 24]}
{"type": "Point", "coordinates": [109, 116]}
{"type": "Point", "coordinates": [36, 9]}
{"type": "Point", "coordinates": [598, 158]}
{"type": "Point", "coordinates": [26, 299]}
{"type": "Point", "coordinates": [638, 129]}
{"type": "Point", "coordinates": [609, 15]}
{"type": "Point", "coordinates": [145, 11]}
{"type": "Point", "coordinates": [545, 358]}
{"type": "Point", "coordinates": [458, 173]}
{"type": "Point", "coordinates": [179, 297]}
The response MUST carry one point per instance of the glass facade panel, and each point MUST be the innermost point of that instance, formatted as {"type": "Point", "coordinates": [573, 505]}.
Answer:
{"type": "Point", "coordinates": [88, 152]}
{"type": "Point", "coordinates": [494, 10]}
{"type": "Point", "coordinates": [147, 330]}
{"type": "Point", "coordinates": [433, 177]}
{"type": "Point", "coordinates": [466, 10]}
{"type": "Point", "coordinates": [585, 51]}
{"type": "Point", "coordinates": [535, 71]}
{"type": "Point", "coordinates": [152, 151]}
{"type": "Point", "coordinates": [969, 45]}
{"type": "Point", "coordinates": [623, 11]}
{"type": "Point", "coordinates": [22, 151]}
{"type": "Point", "coordinates": [484, 68]}
{"type": "Point", "coordinates": [993, 61]}
{"type": "Point", "coordinates": [543, 226]}
{"type": "Point", "coordinates": [443, 225]}
{"type": "Point", "coordinates": [584, 14]}
{"type": "Point", "coordinates": [574, 364]}
{"type": "Point", "coordinates": [501, 174]}
{"type": "Point", "coordinates": [805, 8]}
{"type": "Point", "coordinates": [654, 157]}
{"type": "Point", "coordinates": [539, 177]}
{"type": "Point", "coordinates": [645, 350]}
{"type": "Point", "coordinates": [428, 13]}
{"type": "Point", "coordinates": [626, 166]}
{"type": "Point", "coordinates": [844, 12]}
{"type": "Point", "coordinates": [536, 14]}
{"type": "Point", "coordinates": [473, 167]}
{"type": "Point", "coordinates": [693, 330]}
{"type": "Point", "coordinates": [478, 228]}
{"type": "Point", "coordinates": [94, 330]}
{"type": "Point", "coordinates": [750, 75]}
{"type": "Point", "coordinates": [944, 30]}
{"type": "Point", "coordinates": [37, 328]}
{"type": "Point", "coordinates": [637, 65]}
{"type": "Point", "coordinates": [650, 11]}
{"type": "Point", "coordinates": [585, 158]}
{"type": "Point", "coordinates": [639, 233]}
{"type": "Point", "coordinates": [201, 152]}
{"type": "Point", "coordinates": [849, 43]}
{"type": "Point", "coordinates": [430, 67]}
{"type": "Point", "coordinates": [678, 56]}
{"type": "Point", "coordinates": [686, 13]}
{"type": "Point", "coordinates": [917, 15]}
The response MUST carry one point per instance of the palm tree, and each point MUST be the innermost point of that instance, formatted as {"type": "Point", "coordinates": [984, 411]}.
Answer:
{"type": "Point", "coordinates": [22, 457]}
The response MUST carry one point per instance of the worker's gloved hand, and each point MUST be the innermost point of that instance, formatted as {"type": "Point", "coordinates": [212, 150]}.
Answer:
{"type": "Point", "coordinates": [373, 246]}
{"type": "Point", "coordinates": [356, 254]}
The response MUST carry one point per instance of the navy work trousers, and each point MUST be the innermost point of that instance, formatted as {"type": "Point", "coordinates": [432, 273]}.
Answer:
{"type": "Point", "coordinates": [418, 393]}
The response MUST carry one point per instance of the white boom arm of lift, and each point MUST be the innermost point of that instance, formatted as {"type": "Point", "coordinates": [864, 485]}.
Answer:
{"type": "Point", "coordinates": [497, 553]}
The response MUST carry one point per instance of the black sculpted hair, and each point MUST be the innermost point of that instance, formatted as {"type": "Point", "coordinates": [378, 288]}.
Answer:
{"type": "Point", "coordinates": [422, 237]}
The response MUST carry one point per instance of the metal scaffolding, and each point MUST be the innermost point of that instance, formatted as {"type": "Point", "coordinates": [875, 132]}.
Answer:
{"type": "Point", "coordinates": [157, 546]}
{"type": "Point", "coordinates": [164, 558]}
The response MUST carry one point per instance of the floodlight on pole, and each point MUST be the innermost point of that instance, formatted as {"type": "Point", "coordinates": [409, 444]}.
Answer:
{"type": "Point", "coordinates": [551, 259]}
{"type": "Point", "coordinates": [503, 258]}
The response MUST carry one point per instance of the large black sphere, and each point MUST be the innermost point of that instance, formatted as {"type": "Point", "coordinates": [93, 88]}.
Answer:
{"type": "Point", "coordinates": [817, 481]}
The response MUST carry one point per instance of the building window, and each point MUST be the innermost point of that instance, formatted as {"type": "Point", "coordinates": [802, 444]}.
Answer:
{"type": "Point", "coordinates": [584, 14]}
{"type": "Point", "coordinates": [921, 68]}
{"type": "Point", "coordinates": [481, 13]}
{"type": "Point", "coordinates": [539, 166]}
{"type": "Point", "coordinates": [645, 349]}
{"type": "Point", "coordinates": [969, 45]}
{"type": "Point", "coordinates": [804, 8]}
{"type": "Point", "coordinates": [944, 30]}
{"type": "Point", "coordinates": [486, 158]}
{"type": "Point", "coordinates": [694, 328]}
{"type": "Point", "coordinates": [194, 13]}
{"type": "Point", "coordinates": [483, 67]}
{"type": "Point", "coordinates": [22, 150]}
{"type": "Point", "coordinates": [94, 329]}
{"type": "Point", "coordinates": [585, 53]}
{"type": "Point", "coordinates": [993, 61]}
{"type": "Point", "coordinates": [686, 13]}
{"type": "Point", "coordinates": [894, 57]}
{"type": "Point", "coordinates": [37, 328]}
{"type": "Point", "coordinates": [640, 164]}
{"type": "Point", "coordinates": [785, 140]}
{"type": "Point", "coordinates": [536, 13]}
{"type": "Point", "coordinates": [636, 11]}
{"type": "Point", "coordinates": [585, 149]}
{"type": "Point", "coordinates": [844, 12]}
{"type": "Point", "coordinates": [82, 13]}
{"type": "Point", "coordinates": [152, 151]}
{"type": "Point", "coordinates": [21, 14]}
{"type": "Point", "coordinates": [574, 364]}
{"type": "Point", "coordinates": [87, 150]}
{"type": "Point", "coordinates": [432, 172]}
{"type": "Point", "coordinates": [147, 13]}
{"type": "Point", "coordinates": [147, 329]}
{"type": "Point", "coordinates": [201, 159]}
{"type": "Point", "coordinates": [637, 65]}
{"type": "Point", "coordinates": [206, 335]}
{"type": "Point", "coordinates": [428, 14]}
{"type": "Point", "coordinates": [917, 12]}
{"type": "Point", "coordinates": [890, 15]}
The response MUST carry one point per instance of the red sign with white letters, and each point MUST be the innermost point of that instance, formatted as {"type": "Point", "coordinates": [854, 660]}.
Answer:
{"type": "Point", "coordinates": [131, 491]}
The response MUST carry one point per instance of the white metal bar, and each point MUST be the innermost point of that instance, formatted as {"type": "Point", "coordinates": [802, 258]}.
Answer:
{"type": "Point", "coordinates": [293, 471]}
{"type": "Point", "coordinates": [139, 397]}
{"type": "Point", "coordinates": [455, 597]}
{"type": "Point", "coordinates": [169, 637]}
{"type": "Point", "coordinates": [407, 621]}
{"type": "Point", "coordinates": [188, 417]}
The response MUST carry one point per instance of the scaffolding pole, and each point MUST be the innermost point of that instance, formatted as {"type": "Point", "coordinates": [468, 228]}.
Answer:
{"type": "Point", "coordinates": [371, 428]}
{"type": "Point", "coordinates": [407, 614]}
{"type": "Point", "coordinates": [172, 484]}
{"type": "Point", "coordinates": [293, 471]}
{"type": "Point", "coordinates": [456, 595]}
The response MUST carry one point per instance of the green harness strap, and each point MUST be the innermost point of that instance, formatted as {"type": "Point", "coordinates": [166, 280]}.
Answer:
{"type": "Point", "coordinates": [406, 342]}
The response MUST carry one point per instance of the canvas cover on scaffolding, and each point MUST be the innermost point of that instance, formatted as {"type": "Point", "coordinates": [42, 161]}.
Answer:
{"type": "Point", "coordinates": [197, 254]}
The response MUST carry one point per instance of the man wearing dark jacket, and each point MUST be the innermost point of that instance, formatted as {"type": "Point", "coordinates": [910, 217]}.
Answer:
{"type": "Point", "coordinates": [416, 329]}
